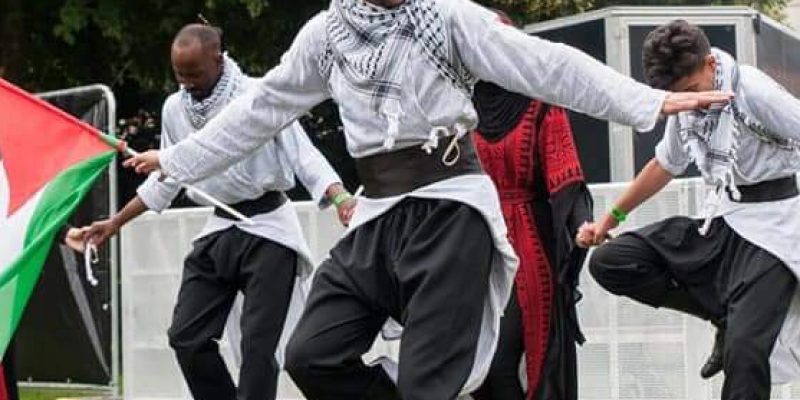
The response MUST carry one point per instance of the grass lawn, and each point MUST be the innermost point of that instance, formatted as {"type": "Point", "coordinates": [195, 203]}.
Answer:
{"type": "Point", "coordinates": [52, 394]}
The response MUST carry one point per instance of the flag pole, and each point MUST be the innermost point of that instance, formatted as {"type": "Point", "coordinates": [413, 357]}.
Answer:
{"type": "Point", "coordinates": [123, 148]}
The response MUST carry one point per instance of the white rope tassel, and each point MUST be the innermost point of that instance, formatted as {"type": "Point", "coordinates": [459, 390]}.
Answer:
{"type": "Point", "coordinates": [433, 139]}
{"type": "Point", "coordinates": [452, 153]}
{"type": "Point", "coordinates": [710, 209]}
{"type": "Point", "coordinates": [90, 257]}
{"type": "Point", "coordinates": [734, 191]}
{"type": "Point", "coordinates": [736, 195]}
{"type": "Point", "coordinates": [392, 112]}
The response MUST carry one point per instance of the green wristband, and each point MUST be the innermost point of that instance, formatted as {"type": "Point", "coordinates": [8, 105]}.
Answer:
{"type": "Point", "coordinates": [341, 198]}
{"type": "Point", "coordinates": [618, 214]}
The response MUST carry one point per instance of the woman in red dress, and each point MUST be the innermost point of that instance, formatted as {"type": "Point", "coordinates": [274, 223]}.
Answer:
{"type": "Point", "coordinates": [528, 150]}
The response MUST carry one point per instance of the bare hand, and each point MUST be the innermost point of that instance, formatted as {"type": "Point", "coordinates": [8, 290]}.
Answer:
{"type": "Point", "coordinates": [144, 163]}
{"type": "Point", "coordinates": [687, 101]}
{"type": "Point", "coordinates": [594, 234]}
{"type": "Point", "coordinates": [346, 211]}
{"type": "Point", "coordinates": [76, 239]}
{"type": "Point", "coordinates": [585, 236]}
{"type": "Point", "coordinates": [345, 208]}
{"type": "Point", "coordinates": [100, 231]}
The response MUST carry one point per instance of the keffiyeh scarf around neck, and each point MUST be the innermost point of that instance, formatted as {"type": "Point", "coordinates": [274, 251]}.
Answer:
{"type": "Point", "coordinates": [370, 44]}
{"type": "Point", "coordinates": [199, 112]}
{"type": "Point", "coordinates": [712, 132]}
{"type": "Point", "coordinates": [712, 137]}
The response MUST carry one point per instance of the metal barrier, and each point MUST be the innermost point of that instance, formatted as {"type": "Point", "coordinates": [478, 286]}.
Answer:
{"type": "Point", "coordinates": [633, 351]}
{"type": "Point", "coordinates": [87, 316]}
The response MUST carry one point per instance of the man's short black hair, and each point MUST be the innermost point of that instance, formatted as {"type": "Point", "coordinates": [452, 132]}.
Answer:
{"type": "Point", "coordinates": [673, 51]}
{"type": "Point", "coordinates": [210, 37]}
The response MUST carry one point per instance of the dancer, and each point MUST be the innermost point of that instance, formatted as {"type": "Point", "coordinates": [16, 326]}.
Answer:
{"type": "Point", "coordinates": [737, 265]}
{"type": "Point", "coordinates": [427, 245]}
{"type": "Point", "coordinates": [262, 260]}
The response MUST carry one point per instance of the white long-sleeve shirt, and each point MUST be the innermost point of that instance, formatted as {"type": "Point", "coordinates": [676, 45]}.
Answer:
{"type": "Point", "coordinates": [273, 166]}
{"type": "Point", "coordinates": [766, 102]}
{"type": "Point", "coordinates": [492, 52]}
{"type": "Point", "coordinates": [773, 226]}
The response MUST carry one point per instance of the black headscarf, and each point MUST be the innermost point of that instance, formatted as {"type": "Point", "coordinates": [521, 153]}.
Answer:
{"type": "Point", "coordinates": [499, 110]}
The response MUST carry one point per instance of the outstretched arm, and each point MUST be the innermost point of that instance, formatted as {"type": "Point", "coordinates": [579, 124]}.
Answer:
{"type": "Point", "coordinates": [99, 231]}
{"type": "Point", "coordinates": [284, 93]}
{"type": "Point", "coordinates": [671, 159]}
{"type": "Point", "coordinates": [559, 74]}
{"type": "Point", "coordinates": [650, 181]}
{"type": "Point", "coordinates": [154, 194]}
{"type": "Point", "coordinates": [310, 166]}
{"type": "Point", "coordinates": [316, 173]}
{"type": "Point", "coordinates": [770, 104]}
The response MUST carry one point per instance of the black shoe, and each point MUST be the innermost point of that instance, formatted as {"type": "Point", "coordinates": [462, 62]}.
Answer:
{"type": "Point", "coordinates": [714, 363]}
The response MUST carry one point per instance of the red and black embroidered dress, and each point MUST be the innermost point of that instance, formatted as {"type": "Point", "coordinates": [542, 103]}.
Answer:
{"type": "Point", "coordinates": [528, 149]}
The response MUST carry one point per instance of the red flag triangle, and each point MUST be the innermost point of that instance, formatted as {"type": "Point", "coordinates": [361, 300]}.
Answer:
{"type": "Point", "coordinates": [39, 141]}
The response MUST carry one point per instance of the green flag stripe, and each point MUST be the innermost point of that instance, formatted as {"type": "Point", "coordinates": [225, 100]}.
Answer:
{"type": "Point", "coordinates": [57, 203]}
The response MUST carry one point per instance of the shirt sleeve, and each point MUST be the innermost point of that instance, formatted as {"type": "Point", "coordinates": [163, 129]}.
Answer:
{"type": "Point", "coordinates": [551, 72]}
{"type": "Point", "coordinates": [157, 195]}
{"type": "Point", "coordinates": [769, 103]}
{"type": "Point", "coordinates": [310, 166]}
{"type": "Point", "coordinates": [291, 88]}
{"type": "Point", "coordinates": [61, 235]}
{"type": "Point", "coordinates": [671, 151]}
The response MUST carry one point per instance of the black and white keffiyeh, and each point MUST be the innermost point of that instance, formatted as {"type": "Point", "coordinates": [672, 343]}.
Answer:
{"type": "Point", "coordinates": [369, 44]}
{"type": "Point", "coordinates": [712, 132]}
{"type": "Point", "coordinates": [712, 136]}
{"type": "Point", "coordinates": [199, 112]}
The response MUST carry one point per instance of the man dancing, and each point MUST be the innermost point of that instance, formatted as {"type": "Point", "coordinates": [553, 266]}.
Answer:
{"type": "Point", "coordinates": [427, 246]}
{"type": "Point", "coordinates": [737, 266]}
{"type": "Point", "coordinates": [262, 260]}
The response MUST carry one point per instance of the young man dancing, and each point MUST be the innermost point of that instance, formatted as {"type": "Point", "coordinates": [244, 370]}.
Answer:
{"type": "Point", "coordinates": [736, 266]}
{"type": "Point", "coordinates": [262, 260]}
{"type": "Point", "coordinates": [427, 246]}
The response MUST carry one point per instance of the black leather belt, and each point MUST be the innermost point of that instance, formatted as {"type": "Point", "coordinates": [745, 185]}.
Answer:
{"type": "Point", "coordinates": [402, 171]}
{"type": "Point", "coordinates": [268, 202]}
{"type": "Point", "coordinates": [774, 190]}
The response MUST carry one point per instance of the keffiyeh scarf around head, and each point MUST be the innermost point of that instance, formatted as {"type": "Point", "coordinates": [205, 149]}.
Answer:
{"type": "Point", "coordinates": [199, 112]}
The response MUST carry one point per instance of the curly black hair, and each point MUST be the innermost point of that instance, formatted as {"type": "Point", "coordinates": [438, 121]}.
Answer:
{"type": "Point", "coordinates": [673, 51]}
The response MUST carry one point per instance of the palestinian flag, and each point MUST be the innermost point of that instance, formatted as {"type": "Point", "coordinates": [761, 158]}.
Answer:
{"type": "Point", "coordinates": [48, 162]}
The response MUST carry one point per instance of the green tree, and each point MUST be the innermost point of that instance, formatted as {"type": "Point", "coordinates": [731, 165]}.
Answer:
{"type": "Point", "coordinates": [53, 44]}
{"type": "Point", "coordinates": [49, 44]}
{"type": "Point", "coordinates": [527, 11]}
